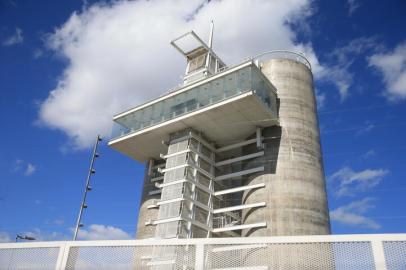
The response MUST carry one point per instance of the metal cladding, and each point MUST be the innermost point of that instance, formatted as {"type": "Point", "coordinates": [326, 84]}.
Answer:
{"type": "Point", "coordinates": [295, 189]}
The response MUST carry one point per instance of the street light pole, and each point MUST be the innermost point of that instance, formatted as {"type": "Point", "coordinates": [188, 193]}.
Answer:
{"type": "Point", "coordinates": [87, 188]}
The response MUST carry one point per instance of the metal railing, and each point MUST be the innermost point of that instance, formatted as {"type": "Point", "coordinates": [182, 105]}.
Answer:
{"type": "Point", "coordinates": [380, 252]}
{"type": "Point", "coordinates": [284, 54]}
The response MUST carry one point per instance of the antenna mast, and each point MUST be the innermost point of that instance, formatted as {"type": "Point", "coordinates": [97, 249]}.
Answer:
{"type": "Point", "coordinates": [211, 34]}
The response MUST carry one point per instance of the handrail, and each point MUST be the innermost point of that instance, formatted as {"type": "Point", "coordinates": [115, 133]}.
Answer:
{"type": "Point", "coordinates": [299, 57]}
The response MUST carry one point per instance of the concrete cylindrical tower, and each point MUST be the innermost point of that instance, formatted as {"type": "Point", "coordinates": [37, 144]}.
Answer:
{"type": "Point", "coordinates": [295, 190]}
{"type": "Point", "coordinates": [145, 214]}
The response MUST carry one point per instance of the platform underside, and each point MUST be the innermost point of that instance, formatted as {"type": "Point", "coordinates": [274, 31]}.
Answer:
{"type": "Point", "coordinates": [224, 123]}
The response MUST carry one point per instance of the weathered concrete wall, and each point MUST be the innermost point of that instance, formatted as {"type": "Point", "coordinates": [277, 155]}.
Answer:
{"type": "Point", "coordinates": [146, 214]}
{"type": "Point", "coordinates": [295, 185]}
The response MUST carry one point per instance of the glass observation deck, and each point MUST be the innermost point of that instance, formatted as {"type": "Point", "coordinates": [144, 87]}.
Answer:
{"type": "Point", "coordinates": [200, 105]}
{"type": "Point", "coordinates": [195, 97]}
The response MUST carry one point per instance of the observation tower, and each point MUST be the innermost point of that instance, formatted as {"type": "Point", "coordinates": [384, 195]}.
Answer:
{"type": "Point", "coordinates": [233, 152]}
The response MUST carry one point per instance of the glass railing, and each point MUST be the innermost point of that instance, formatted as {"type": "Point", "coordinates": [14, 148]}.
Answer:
{"type": "Point", "coordinates": [216, 89]}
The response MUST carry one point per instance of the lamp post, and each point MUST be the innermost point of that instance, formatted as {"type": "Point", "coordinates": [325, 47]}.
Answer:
{"type": "Point", "coordinates": [87, 188]}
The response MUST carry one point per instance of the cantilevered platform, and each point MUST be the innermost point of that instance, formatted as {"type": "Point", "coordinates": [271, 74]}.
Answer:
{"type": "Point", "coordinates": [226, 107]}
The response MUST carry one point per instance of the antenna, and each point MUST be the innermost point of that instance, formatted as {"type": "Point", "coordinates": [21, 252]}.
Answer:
{"type": "Point", "coordinates": [211, 34]}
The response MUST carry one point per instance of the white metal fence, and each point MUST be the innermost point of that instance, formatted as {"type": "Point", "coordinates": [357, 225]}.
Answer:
{"type": "Point", "coordinates": [341, 252]}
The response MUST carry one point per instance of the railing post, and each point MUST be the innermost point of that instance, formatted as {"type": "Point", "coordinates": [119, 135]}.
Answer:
{"type": "Point", "coordinates": [63, 256]}
{"type": "Point", "coordinates": [60, 256]}
{"type": "Point", "coordinates": [199, 257]}
{"type": "Point", "coordinates": [379, 254]}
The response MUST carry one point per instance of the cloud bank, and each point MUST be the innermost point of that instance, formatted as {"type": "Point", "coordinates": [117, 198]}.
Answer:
{"type": "Point", "coordinates": [24, 167]}
{"type": "Point", "coordinates": [102, 232]}
{"type": "Point", "coordinates": [16, 38]}
{"type": "Point", "coordinates": [392, 65]}
{"type": "Point", "coordinates": [118, 54]}
{"type": "Point", "coordinates": [342, 59]}
{"type": "Point", "coordinates": [352, 214]}
{"type": "Point", "coordinates": [347, 181]}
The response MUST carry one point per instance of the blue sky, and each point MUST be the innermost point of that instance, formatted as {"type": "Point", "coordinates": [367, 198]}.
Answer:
{"type": "Point", "coordinates": [67, 66]}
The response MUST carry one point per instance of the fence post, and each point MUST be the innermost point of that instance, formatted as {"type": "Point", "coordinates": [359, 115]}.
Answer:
{"type": "Point", "coordinates": [63, 256]}
{"type": "Point", "coordinates": [379, 254]}
{"type": "Point", "coordinates": [199, 257]}
{"type": "Point", "coordinates": [60, 256]}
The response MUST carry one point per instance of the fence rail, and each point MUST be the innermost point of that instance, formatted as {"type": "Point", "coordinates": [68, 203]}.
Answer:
{"type": "Point", "coordinates": [341, 252]}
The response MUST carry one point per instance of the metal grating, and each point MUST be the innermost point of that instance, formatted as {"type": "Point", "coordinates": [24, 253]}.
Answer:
{"type": "Point", "coordinates": [29, 258]}
{"type": "Point", "coordinates": [311, 256]}
{"type": "Point", "coordinates": [395, 254]}
{"type": "Point", "coordinates": [338, 252]}
{"type": "Point", "coordinates": [130, 257]}
{"type": "Point", "coordinates": [108, 257]}
{"type": "Point", "coordinates": [353, 255]}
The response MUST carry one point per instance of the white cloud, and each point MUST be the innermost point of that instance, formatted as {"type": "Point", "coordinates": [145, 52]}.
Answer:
{"type": "Point", "coordinates": [36, 233]}
{"type": "Point", "coordinates": [368, 126]}
{"type": "Point", "coordinates": [352, 214]}
{"type": "Point", "coordinates": [59, 221]}
{"type": "Point", "coordinates": [346, 181]}
{"type": "Point", "coordinates": [4, 237]}
{"type": "Point", "coordinates": [40, 235]}
{"type": "Point", "coordinates": [393, 67]}
{"type": "Point", "coordinates": [18, 163]}
{"type": "Point", "coordinates": [320, 99]}
{"type": "Point", "coordinates": [352, 6]}
{"type": "Point", "coordinates": [38, 53]}
{"type": "Point", "coordinates": [342, 58]}
{"type": "Point", "coordinates": [119, 54]}
{"type": "Point", "coordinates": [102, 232]}
{"type": "Point", "coordinates": [15, 39]}
{"type": "Point", "coordinates": [369, 154]}
{"type": "Point", "coordinates": [24, 167]}
{"type": "Point", "coordinates": [30, 169]}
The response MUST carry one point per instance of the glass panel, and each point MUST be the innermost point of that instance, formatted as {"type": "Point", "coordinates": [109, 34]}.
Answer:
{"type": "Point", "coordinates": [206, 151]}
{"type": "Point", "coordinates": [205, 166]}
{"type": "Point", "coordinates": [187, 209]}
{"type": "Point", "coordinates": [245, 79]}
{"type": "Point", "coordinates": [201, 215]}
{"type": "Point", "coordinates": [203, 180]}
{"type": "Point", "coordinates": [198, 232]}
{"type": "Point", "coordinates": [203, 95]}
{"type": "Point", "coordinates": [202, 196]}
